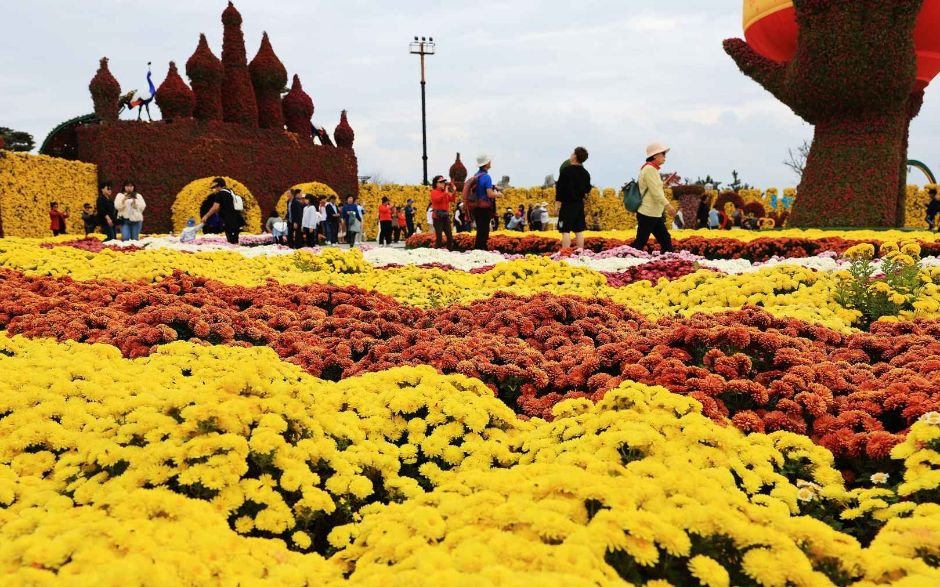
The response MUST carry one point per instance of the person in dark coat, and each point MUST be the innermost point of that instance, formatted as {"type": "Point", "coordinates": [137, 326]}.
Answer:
{"type": "Point", "coordinates": [223, 204]}
{"type": "Point", "coordinates": [107, 214]}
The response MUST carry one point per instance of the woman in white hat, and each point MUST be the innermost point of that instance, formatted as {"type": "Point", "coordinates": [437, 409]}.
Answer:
{"type": "Point", "coordinates": [649, 217]}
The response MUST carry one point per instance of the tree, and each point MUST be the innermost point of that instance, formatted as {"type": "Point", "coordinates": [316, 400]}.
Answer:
{"type": "Point", "coordinates": [709, 180]}
{"type": "Point", "coordinates": [736, 184]}
{"type": "Point", "coordinates": [796, 160]}
{"type": "Point", "coordinates": [15, 140]}
{"type": "Point", "coordinates": [852, 78]}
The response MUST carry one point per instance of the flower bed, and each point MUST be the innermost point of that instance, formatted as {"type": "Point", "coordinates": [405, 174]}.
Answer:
{"type": "Point", "coordinates": [377, 417]}
{"type": "Point", "coordinates": [754, 247]}
{"type": "Point", "coordinates": [418, 469]}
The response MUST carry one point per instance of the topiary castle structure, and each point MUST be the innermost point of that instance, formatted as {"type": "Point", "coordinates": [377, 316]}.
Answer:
{"type": "Point", "coordinates": [230, 121]}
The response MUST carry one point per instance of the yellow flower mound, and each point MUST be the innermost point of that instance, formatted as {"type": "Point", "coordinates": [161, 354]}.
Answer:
{"type": "Point", "coordinates": [785, 291]}
{"type": "Point", "coordinates": [29, 183]}
{"type": "Point", "coordinates": [314, 187]}
{"type": "Point", "coordinates": [154, 469]}
{"type": "Point", "coordinates": [136, 537]}
{"type": "Point", "coordinates": [190, 198]}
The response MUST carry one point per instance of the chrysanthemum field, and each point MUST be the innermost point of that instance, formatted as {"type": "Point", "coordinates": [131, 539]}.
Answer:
{"type": "Point", "coordinates": [742, 412]}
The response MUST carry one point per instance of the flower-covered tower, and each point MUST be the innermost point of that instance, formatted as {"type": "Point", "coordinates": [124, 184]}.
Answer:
{"type": "Point", "coordinates": [105, 93]}
{"type": "Point", "coordinates": [851, 70]}
{"type": "Point", "coordinates": [205, 74]}
{"type": "Point", "coordinates": [175, 99]}
{"type": "Point", "coordinates": [298, 110]}
{"type": "Point", "coordinates": [344, 135]}
{"type": "Point", "coordinates": [269, 77]}
{"type": "Point", "coordinates": [238, 100]}
{"type": "Point", "coordinates": [458, 173]}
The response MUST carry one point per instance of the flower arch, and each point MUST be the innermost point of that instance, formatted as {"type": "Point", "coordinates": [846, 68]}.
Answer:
{"type": "Point", "coordinates": [312, 187]}
{"type": "Point", "coordinates": [189, 199]}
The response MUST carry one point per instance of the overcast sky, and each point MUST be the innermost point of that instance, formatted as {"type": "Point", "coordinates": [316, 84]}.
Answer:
{"type": "Point", "coordinates": [522, 80]}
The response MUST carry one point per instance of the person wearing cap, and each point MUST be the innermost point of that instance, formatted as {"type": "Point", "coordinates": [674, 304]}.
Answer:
{"type": "Point", "coordinates": [486, 202]}
{"type": "Point", "coordinates": [441, 200]}
{"type": "Point", "coordinates": [573, 185]}
{"type": "Point", "coordinates": [223, 204]}
{"type": "Point", "coordinates": [649, 217]}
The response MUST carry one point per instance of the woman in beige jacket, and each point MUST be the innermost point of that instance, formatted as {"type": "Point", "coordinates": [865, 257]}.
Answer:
{"type": "Point", "coordinates": [130, 208]}
{"type": "Point", "coordinates": [649, 217]}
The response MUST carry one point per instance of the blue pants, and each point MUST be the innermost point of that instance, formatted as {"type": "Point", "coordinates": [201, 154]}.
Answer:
{"type": "Point", "coordinates": [130, 231]}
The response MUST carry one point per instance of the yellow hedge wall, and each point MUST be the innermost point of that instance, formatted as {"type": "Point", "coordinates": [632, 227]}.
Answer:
{"type": "Point", "coordinates": [28, 183]}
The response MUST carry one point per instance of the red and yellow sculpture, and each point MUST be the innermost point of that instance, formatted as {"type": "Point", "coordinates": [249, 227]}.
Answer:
{"type": "Point", "coordinates": [856, 70]}
{"type": "Point", "coordinates": [770, 28]}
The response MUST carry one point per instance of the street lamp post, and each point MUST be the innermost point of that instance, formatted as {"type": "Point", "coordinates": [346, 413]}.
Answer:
{"type": "Point", "coordinates": [423, 46]}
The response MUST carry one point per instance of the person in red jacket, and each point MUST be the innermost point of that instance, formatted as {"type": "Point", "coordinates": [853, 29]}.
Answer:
{"type": "Point", "coordinates": [57, 219]}
{"type": "Point", "coordinates": [401, 224]}
{"type": "Point", "coordinates": [441, 200]}
{"type": "Point", "coordinates": [385, 222]}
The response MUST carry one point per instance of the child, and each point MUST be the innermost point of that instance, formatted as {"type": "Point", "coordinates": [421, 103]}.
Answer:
{"type": "Point", "coordinates": [57, 219]}
{"type": "Point", "coordinates": [401, 224]}
{"type": "Point", "coordinates": [89, 219]}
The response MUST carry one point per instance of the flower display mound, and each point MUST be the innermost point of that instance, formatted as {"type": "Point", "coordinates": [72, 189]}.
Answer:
{"type": "Point", "coordinates": [398, 475]}
{"type": "Point", "coordinates": [92, 244]}
{"type": "Point", "coordinates": [757, 249]}
{"type": "Point", "coordinates": [314, 188]}
{"type": "Point", "coordinates": [856, 394]}
{"type": "Point", "coordinates": [668, 269]}
{"type": "Point", "coordinates": [188, 201]}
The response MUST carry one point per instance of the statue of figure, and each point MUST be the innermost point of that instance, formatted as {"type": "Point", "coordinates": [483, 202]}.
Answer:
{"type": "Point", "coordinates": [129, 102]}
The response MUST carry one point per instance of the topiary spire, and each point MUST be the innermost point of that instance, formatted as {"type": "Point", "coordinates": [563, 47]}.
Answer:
{"type": "Point", "coordinates": [174, 97]}
{"type": "Point", "coordinates": [458, 173]}
{"type": "Point", "coordinates": [269, 77]}
{"type": "Point", "coordinates": [298, 110]}
{"type": "Point", "coordinates": [205, 74]}
{"type": "Point", "coordinates": [344, 135]}
{"type": "Point", "coordinates": [239, 104]}
{"type": "Point", "coordinates": [105, 92]}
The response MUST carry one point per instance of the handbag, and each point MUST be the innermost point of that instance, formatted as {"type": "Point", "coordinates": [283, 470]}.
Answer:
{"type": "Point", "coordinates": [632, 198]}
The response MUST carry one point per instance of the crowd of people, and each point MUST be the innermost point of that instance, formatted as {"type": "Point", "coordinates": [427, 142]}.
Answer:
{"type": "Point", "coordinates": [310, 218]}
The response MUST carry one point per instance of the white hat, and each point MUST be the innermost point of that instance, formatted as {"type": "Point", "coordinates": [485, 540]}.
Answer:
{"type": "Point", "coordinates": [544, 204]}
{"type": "Point", "coordinates": [483, 160]}
{"type": "Point", "coordinates": [655, 149]}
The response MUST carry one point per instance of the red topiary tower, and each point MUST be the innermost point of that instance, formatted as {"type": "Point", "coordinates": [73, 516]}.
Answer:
{"type": "Point", "coordinates": [269, 77]}
{"type": "Point", "coordinates": [298, 110]}
{"type": "Point", "coordinates": [853, 77]}
{"type": "Point", "coordinates": [458, 173]}
{"type": "Point", "coordinates": [175, 99]}
{"type": "Point", "coordinates": [238, 99]}
{"type": "Point", "coordinates": [344, 135]}
{"type": "Point", "coordinates": [205, 74]}
{"type": "Point", "coordinates": [105, 93]}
